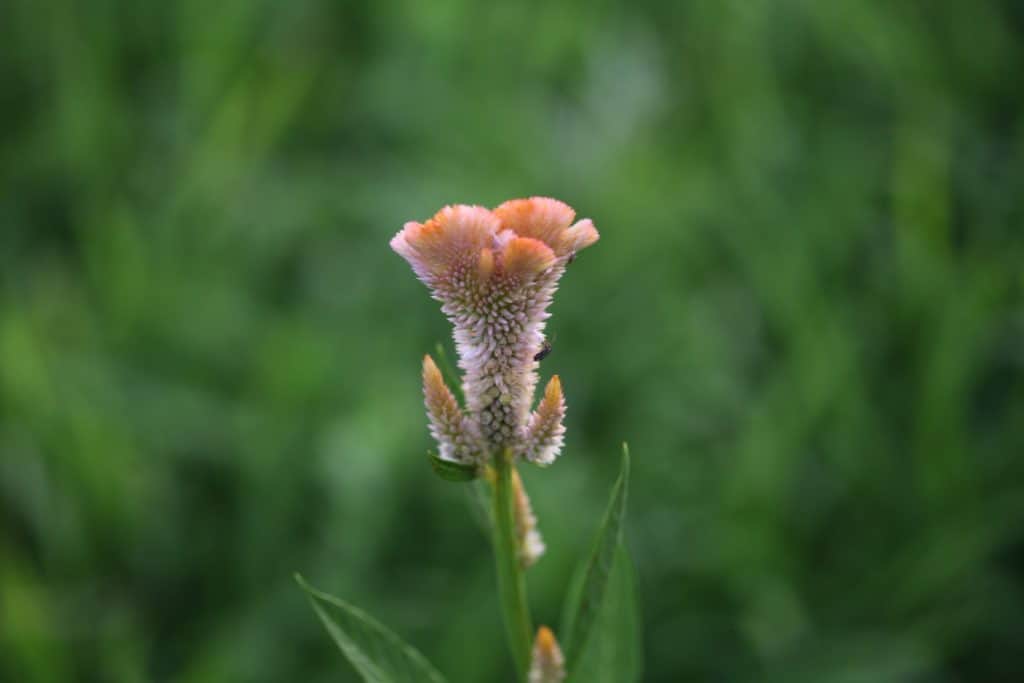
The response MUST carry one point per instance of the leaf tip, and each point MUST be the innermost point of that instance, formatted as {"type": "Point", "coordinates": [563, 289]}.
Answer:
{"type": "Point", "coordinates": [306, 587]}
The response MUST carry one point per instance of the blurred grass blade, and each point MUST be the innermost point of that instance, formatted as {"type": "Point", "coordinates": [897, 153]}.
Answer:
{"type": "Point", "coordinates": [448, 372]}
{"type": "Point", "coordinates": [586, 597]}
{"type": "Point", "coordinates": [452, 471]}
{"type": "Point", "coordinates": [479, 502]}
{"type": "Point", "coordinates": [377, 654]}
{"type": "Point", "coordinates": [612, 652]}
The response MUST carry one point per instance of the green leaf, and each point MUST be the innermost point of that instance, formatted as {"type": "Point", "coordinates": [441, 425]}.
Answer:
{"type": "Point", "coordinates": [587, 595]}
{"type": "Point", "coordinates": [453, 471]}
{"type": "Point", "coordinates": [612, 652]}
{"type": "Point", "coordinates": [376, 653]}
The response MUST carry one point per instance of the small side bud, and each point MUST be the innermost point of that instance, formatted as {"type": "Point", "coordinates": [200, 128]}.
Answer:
{"type": "Point", "coordinates": [544, 435]}
{"type": "Point", "coordinates": [548, 665]}
{"type": "Point", "coordinates": [447, 423]}
{"type": "Point", "coordinates": [531, 545]}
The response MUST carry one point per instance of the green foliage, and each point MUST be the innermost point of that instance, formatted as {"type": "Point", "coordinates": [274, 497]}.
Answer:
{"type": "Point", "coordinates": [587, 596]}
{"type": "Point", "coordinates": [612, 652]}
{"type": "Point", "coordinates": [376, 653]}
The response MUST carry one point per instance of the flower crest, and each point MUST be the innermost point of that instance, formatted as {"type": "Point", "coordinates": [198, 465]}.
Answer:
{"type": "Point", "coordinates": [495, 273]}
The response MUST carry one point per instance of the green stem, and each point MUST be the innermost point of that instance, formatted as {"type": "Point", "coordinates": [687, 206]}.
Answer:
{"type": "Point", "coordinates": [511, 581]}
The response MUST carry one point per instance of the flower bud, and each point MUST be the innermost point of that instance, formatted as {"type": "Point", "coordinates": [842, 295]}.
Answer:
{"type": "Point", "coordinates": [531, 545]}
{"type": "Point", "coordinates": [448, 425]}
{"type": "Point", "coordinates": [548, 664]}
{"type": "Point", "coordinates": [544, 435]}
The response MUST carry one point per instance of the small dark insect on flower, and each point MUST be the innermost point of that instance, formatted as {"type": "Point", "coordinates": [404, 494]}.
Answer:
{"type": "Point", "coordinates": [545, 349]}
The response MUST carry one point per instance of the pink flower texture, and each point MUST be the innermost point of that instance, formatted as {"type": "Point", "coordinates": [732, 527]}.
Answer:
{"type": "Point", "coordinates": [495, 273]}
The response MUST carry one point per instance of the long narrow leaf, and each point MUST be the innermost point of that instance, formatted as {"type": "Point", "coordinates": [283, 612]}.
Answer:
{"type": "Point", "coordinates": [377, 653]}
{"type": "Point", "coordinates": [587, 596]}
{"type": "Point", "coordinates": [480, 506]}
{"type": "Point", "coordinates": [612, 652]}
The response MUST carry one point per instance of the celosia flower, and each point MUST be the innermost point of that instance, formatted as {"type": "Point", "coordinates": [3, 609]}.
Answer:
{"type": "Point", "coordinates": [494, 273]}
{"type": "Point", "coordinates": [547, 664]}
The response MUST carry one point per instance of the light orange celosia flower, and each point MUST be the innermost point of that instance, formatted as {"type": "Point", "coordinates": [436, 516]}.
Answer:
{"type": "Point", "coordinates": [494, 273]}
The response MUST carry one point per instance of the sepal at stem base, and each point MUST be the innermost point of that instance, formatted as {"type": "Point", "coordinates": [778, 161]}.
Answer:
{"type": "Point", "coordinates": [453, 471]}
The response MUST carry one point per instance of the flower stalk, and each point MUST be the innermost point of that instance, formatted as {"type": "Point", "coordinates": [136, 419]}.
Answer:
{"type": "Point", "coordinates": [511, 579]}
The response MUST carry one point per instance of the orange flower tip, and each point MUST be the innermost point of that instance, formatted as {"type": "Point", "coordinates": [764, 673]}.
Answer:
{"type": "Point", "coordinates": [451, 233]}
{"type": "Point", "coordinates": [527, 256]}
{"type": "Point", "coordinates": [548, 664]}
{"type": "Point", "coordinates": [430, 370]}
{"type": "Point", "coordinates": [464, 222]}
{"type": "Point", "coordinates": [542, 218]}
{"type": "Point", "coordinates": [546, 641]}
{"type": "Point", "coordinates": [485, 264]}
{"type": "Point", "coordinates": [553, 392]}
{"type": "Point", "coordinates": [582, 234]}
{"type": "Point", "coordinates": [528, 212]}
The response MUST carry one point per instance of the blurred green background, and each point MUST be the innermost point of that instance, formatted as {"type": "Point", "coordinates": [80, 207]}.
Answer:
{"type": "Point", "coordinates": [805, 315]}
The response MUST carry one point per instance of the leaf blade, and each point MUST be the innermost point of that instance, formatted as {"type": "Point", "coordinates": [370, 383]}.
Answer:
{"type": "Point", "coordinates": [453, 471]}
{"type": "Point", "coordinates": [612, 653]}
{"type": "Point", "coordinates": [585, 599]}
{"type": "Point", "coordinates": [375, 651]}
